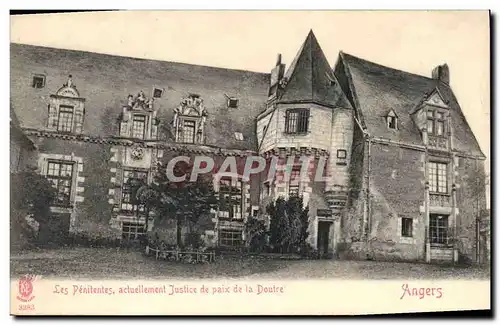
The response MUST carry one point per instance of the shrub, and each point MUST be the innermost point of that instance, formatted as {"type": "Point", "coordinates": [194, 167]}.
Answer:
{"type": "Point", "coordinates": [194, 240]}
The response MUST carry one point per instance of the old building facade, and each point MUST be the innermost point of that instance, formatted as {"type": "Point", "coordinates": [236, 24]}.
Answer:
{"type": "Point", "coordinates": [401, 164]}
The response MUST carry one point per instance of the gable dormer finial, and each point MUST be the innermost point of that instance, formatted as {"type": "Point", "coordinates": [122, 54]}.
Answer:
{"type": "Point", "coordinates": [70, 83]}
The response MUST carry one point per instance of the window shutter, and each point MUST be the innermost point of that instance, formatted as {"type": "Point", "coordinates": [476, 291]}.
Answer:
{"type": "Point", "coordinates": [52, 120]}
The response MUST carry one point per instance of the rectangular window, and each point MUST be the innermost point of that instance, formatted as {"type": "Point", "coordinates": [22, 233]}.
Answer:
{"type": "Point", "coordinates": [138, 126]}
{"type": "Point", "coordinates": [435, 123]}
{"type": "Point", "coordinates": [133, 230]}
{"type": "Point", "coordinates": [132, 180]}
{"type": "Point", "coordinates": [391, 122]}
{"type": "Point", "coordinates": [294, 185]}
{"type": "Point", "coordinates": [438, 229]}
{"type": "Point", "coordinates": [65, 119]}
{"type": "Point", "coordinates": [157, 92]}
{"type": "Point", "coordinates": [230, 237]}
{"type": "Point", "coordinates": [297, 121]}
{"type": "Point", "coordinates": [61, 176]}
{"type": "Point", "coordinates": [188, 131]}
{"type": "Point", "coordinates": [230, 199]}
{"type": "Point", "coordinates": [232, 103]}
{"type": "Point", "coordinates": [438, 177]}
{"type": "Point", "coordinates": [38, 81]}
{"type": "Point", "coordinates": [342, 157]}
{"type": "Point", "coordinates": [406, 227]}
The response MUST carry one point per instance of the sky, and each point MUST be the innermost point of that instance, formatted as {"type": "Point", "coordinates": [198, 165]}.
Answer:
{"type": "Point", "coordinates": [414, 41]}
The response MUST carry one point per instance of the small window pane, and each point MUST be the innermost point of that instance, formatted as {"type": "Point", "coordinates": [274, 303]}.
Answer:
{"type": "Point", "coordinates": [138, 126]}
{"type": "Point", "coordinates": [188, 131]}
{"type": "Point", "coordinates": [430, 126]}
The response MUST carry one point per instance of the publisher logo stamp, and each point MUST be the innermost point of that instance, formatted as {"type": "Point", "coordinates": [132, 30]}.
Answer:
{"type": "Point", "coordinates": [25, 288]}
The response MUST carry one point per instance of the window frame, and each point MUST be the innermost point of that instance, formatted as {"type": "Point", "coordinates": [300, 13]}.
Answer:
{"type": "Point", "coordinates": [441, 231]}
{"type": "Point", "coordinates": [40, 77]}
{"type": "Point", "coordinates": [62, 111]}
{"type": "Point", "coordinates": [136, 226]}
{"type": "Point", "coordinates": [135, 118]}
{"type": "Point", "coordinates": [184, 128]}
{"type": "Point", "coordinates": [236, 237]}
{"type": "Point", "coordinates": [233, 102]}
{"type": "Point", "coordinates": [341, 157]}
{"type": "Point", "coordinates": [56, 202]}
{"type": "Point", "coordinates": [394, 119]}
{"type": "Point", "coordinates": [435, 179]}
{"type": "Point", "coordinates": [155, 89]}
{"type": "Point", "coordinates": [433, 120]}
{"type": "Point", "coordinates": [222, 194]}
{"type": "Point", "coordinates": [406, 231]}
{"type": "Point", "coordinates": [126, 191]}
{"type": "Point", "coordinates": [300, 123]}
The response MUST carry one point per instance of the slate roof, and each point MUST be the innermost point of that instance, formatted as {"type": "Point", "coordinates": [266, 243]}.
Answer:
{"type": "Point", "coordinates": [105, 81]}
{"type": "Point", "coordinates": [375, 89]}
{"type": "Point", "coordinates": [311, 79]}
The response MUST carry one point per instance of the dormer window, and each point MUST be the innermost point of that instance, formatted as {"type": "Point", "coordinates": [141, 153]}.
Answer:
{"type": "Point", "coordinates": [66, 109]}
{"type": "Point", "coordinates": [138, 118]}
{"type": "Point", "coordinates": [392, 120]}
{"type": "Point", "coordinates": [65, 120]}
{"type": "Point", "coordinates": [232, 102]}
{"type": "Point", "coordinates": [138, 126]}
{"type": "Point", "coordinates": [189, 120]}
{"type": "Point", "coordinates": [157, 93]}
{"type": "Point", "coordinates": [188, 131]}
{"type": "Point", "coordinates": [38, 81]}
{"type": "Point", "coordinates": [435, 123]}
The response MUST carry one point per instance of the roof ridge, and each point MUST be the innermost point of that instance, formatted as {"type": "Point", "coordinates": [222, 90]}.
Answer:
{"type": "Point", "coordinates": [347, 55]}
{"type": "Point", "coordinates": [138, 58]}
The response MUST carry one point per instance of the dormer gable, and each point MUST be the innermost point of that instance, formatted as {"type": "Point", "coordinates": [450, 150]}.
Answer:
{"type": "Point", "coordinates": [432, 118]}
{"type": "Point", "coordinates": [436, 99]}
{"type": "Point", "coordinates": [66, 109]}
{"type": "Point", "coordinates": [392, 120]}
{"type": "Point", "coordinates": [189, 120]}
{"type": "Point", "coordinates": [138, 118]}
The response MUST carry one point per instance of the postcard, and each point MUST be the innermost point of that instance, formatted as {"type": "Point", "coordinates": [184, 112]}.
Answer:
{"type": "Point", "coordinates": [250, 162]}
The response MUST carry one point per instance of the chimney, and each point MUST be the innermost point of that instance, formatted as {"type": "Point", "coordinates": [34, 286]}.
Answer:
{"type": "Point", "coordinates": [442, 73]}
{"type": "Point", "coordinates": [276, 75]}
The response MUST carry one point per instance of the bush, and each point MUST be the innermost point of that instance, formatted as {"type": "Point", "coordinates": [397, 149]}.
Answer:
{"type": "Point", "coordinates": [194, 240]}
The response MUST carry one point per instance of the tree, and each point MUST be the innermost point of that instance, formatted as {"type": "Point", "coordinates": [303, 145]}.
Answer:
{"type": "Point", "coordinates": [289, 223]}
{"type": "Point", "coordinates": [256, 233]}
{"type": "Point", "coordinates": [183, 201]}
{"type": "Point", "coordinates": [32, 194]}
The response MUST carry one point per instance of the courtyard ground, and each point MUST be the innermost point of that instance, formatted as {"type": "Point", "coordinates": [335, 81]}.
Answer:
{"type": "Point", "coordinates": [101, 263]}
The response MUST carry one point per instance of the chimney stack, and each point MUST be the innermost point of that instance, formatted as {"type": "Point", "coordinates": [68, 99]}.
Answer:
{"type": "Point", "coordinates": [276, 74]}
{"type": "Point", "coordinates": [278, 60]}
{"type": "Point", "coordinates": [442, 73]}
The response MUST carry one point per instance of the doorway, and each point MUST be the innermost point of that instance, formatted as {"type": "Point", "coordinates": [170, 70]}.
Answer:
{"type": "Point", "coordinates": [323, 238]}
